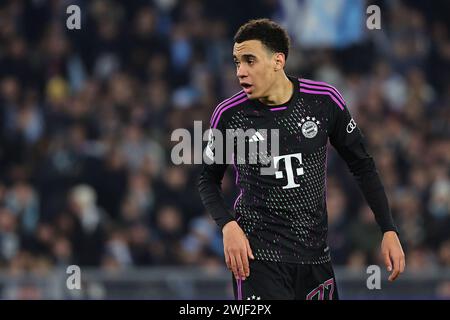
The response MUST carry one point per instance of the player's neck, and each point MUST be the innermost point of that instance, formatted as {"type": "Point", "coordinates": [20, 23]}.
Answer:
{"type": "Point", "coordinates": [281, 92]}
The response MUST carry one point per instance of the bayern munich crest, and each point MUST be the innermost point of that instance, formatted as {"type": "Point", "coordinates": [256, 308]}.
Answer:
{"type": "Point", "coordinates": [310, 127]}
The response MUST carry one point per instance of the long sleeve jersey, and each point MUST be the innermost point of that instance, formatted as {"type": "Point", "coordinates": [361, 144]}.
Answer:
{"type": "Point", "coordinates": [284, 214]}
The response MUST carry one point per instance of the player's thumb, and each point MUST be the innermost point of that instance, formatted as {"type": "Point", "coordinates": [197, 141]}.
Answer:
{"type": "Point", "coordinates": [387, 261]}
{"type": "Point", "coordinates": [249, 250]}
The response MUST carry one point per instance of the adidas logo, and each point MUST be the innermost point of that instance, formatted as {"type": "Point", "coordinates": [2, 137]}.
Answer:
{"type": "Point", "coordinates": [257, 137]}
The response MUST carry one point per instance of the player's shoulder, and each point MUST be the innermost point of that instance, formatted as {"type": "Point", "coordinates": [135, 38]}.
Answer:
{"type": "Point", "coordinates": [227, 106]}
{"type": "Point", "coordinates": [323, 89]}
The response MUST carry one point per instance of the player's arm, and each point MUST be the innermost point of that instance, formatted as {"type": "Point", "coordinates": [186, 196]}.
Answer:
{"type": "Point", "coordinates": [348, 140]}
{"type": "Point", "coordinates": [236, 245]}
{"type": "Point", "coordinates": [210, 189]}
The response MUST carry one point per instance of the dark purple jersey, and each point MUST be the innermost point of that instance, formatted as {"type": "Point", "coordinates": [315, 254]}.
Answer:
{"type": "Point", "coordinates": [283, 211]}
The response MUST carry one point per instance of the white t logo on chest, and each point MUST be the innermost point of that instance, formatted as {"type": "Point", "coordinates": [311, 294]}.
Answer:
{"type": "Point", "coordinates": [288, 169]}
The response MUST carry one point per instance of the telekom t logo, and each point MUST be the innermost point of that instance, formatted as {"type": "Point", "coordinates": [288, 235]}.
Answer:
{"type": "Point", "coordinates": [289, 171]}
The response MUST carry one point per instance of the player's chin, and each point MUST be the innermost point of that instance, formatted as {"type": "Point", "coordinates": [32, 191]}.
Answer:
{"type": "Point", "coordinates": [251, 94]}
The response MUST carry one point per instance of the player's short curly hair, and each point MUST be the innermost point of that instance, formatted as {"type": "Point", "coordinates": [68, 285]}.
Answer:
{"type": "Point", "coordinates": [272, 35]}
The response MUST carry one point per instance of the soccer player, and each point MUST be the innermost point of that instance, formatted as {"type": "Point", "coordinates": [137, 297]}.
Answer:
{"type": "Point", "coordinates": [275, 237]}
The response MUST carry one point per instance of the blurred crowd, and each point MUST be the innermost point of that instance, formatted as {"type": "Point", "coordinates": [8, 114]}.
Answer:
{"type": "Point", "coordinates": [86, 118]}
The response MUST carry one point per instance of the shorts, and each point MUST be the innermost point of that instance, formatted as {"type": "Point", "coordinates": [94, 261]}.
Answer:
{"type": "Point", "coordinates": [287, 281]}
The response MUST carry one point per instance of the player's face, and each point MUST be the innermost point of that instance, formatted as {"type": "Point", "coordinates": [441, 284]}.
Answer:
{"type": "Point", "coordinates": [255, 68]}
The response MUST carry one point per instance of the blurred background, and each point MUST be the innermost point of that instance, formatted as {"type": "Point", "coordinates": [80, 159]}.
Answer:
{"type": "Point", "coordinates": [86, 117]}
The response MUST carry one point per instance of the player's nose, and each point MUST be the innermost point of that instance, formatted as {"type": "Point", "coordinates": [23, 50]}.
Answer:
{"type": "Point", "coordinates": [241, 72]}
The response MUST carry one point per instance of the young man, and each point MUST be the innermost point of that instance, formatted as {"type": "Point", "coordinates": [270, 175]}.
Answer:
{"type": "Point", "coordinates": [275, 238]}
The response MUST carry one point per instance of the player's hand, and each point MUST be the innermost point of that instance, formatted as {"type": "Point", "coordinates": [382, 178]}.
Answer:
{"type": "Point", "coordinates": [393, 255]}
{"type": "Point", "coordinates": [237, 250]}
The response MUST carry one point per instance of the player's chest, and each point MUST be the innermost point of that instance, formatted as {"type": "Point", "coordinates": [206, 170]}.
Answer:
{"type": "Point", "coordinates": [301, 130]}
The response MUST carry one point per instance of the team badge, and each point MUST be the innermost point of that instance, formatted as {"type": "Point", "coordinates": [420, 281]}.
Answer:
{"type": "Point", "coordinates": [310, 127]}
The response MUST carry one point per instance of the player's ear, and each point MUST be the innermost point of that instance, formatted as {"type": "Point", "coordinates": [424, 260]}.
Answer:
{"type": "Point", "coordinates": [279, 61]}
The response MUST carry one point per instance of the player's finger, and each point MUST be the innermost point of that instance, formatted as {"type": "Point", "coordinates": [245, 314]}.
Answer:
{"type": "Point", "coordinates": [227, 260]}
{"type": "Point", "coordinates": [397, 263]}
{"type": "Point", "coordinates": [402, 264]}
{"type": "Point", "coordinates": [395, 273]}
{"type": "Point", "coordinates": [240, 266]}
{"type": "Point", "coordinates": [387, 261]}
{"type": "Point", "coordinates": [234, 266]}
{"type": "Point", "coordinates": [246, 269]}
{"type": "Point", "coordinates": [249, 250]}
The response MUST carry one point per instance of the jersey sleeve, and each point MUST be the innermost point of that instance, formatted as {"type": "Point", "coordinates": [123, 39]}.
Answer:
{"type": "Point", "coordinates": [347, 138]}
{"type": "Point", "coordinates": [213, 170]}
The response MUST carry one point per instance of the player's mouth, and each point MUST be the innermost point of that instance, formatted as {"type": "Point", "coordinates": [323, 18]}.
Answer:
{"type": "Point", "coordinates": [247, 87]}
